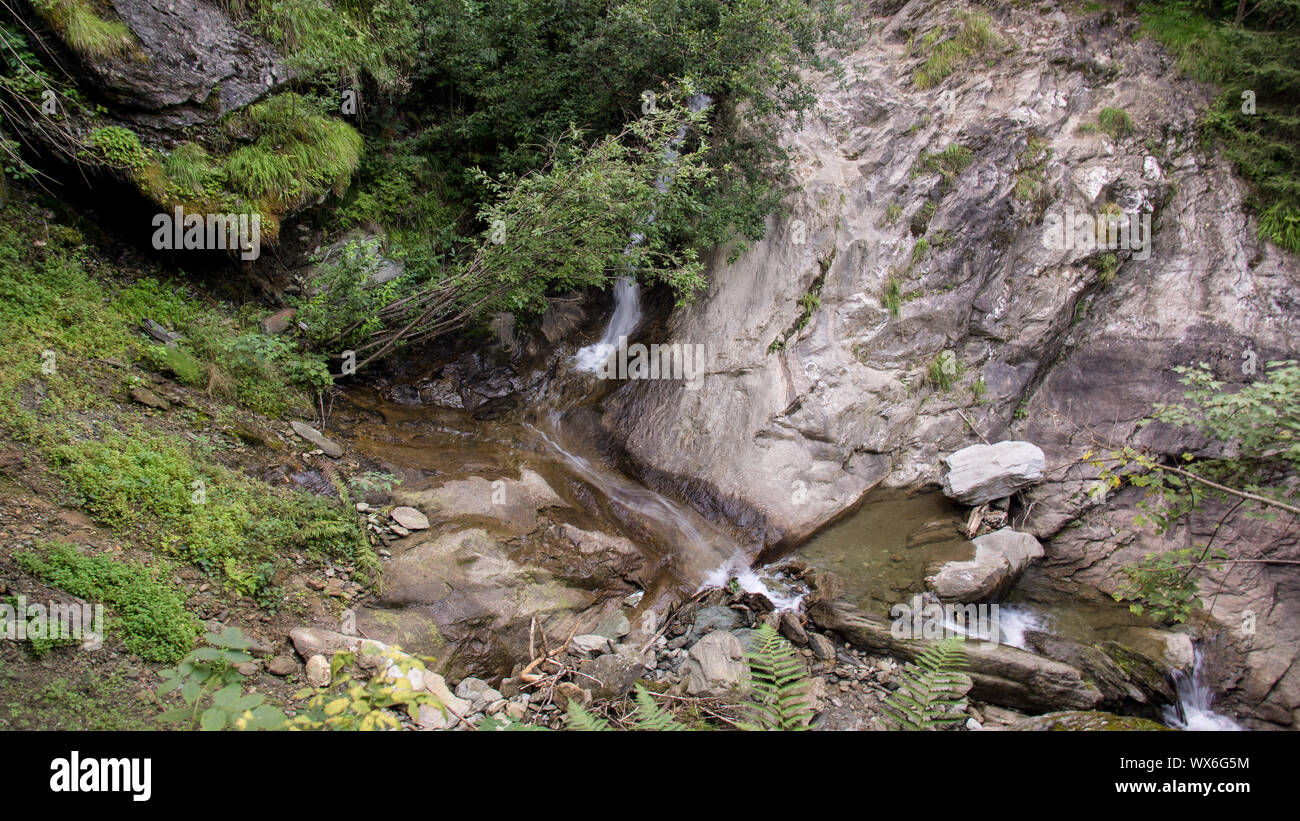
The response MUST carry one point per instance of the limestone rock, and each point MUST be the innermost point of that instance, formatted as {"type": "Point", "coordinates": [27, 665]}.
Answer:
{"type": "Point", "coordinates": [715, 665]}
{"type": "Point", "coordinates": [982, 473]}
{"type": "Point", "coordinates": [410, 518]}
{"type": "Point", "coordinates": [318, 671]}
{"type": "Point", "coordinates": [1000, 558]}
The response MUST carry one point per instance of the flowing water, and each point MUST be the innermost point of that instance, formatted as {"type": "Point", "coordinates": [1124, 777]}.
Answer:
{"type": "Point", "coordinates": [627, 303]}
{"type": "Point", "coordinates": [1195, 699]}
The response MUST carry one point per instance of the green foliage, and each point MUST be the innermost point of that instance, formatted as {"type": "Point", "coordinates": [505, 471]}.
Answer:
{"type": "Point", "coordinates": [345, 41]}
{"type": "Point", "coordinates": [920, 249]}
{"type": "Point", "coordinates": [948, 163]}
{"type": "Point", "coordinates": [1106, 264]}
{"type": "Point", "coordinates": [1115, 121]}
{"type": "Point", "coordinates": [1255, 449]}
{"type": "Point", "coordinates": [346, 704]}
{"type": "Point", "coordinates": [893, 296]}
{"type": "Point", "coordinates": [345, 295]}
{"type": "Point", "coordinates": [775, 694]}
{"type": "Point", "coordinates": [149, 613]}
{"type": "Point", "coordinates": [85, 32]}
{"type": "Point", "coordinates": [373, 481]}
{"type": "Point", "coordinates": [212, 689]}
{"type": "Point", "coordinates": [1031, 174]}
{"type": "Point", "coordinates": [117, 147]}
{"type": "Point", "coordinates": [944, 370]}
{"type": "Point", "coordinates": [777, 688]}
{"type": "Point", "coordinates": [1162, 585]}
{"type": "Point", "coordinates": [892, 212]}
{"type": "Point", "coordinates": [579, 720]}
{"type": "Point", "coordinates": [225, 523]}
{"type": "Point", "coordinates": [974, 36]}
{"type": "Point", "coordinates": [1254, 58]}
{"type": "Point", "coordinates": [650, 716]}
{"type": "Point", "coordinates": [296, 152]}
{"type": "Point", "coordinates": [929, 692]}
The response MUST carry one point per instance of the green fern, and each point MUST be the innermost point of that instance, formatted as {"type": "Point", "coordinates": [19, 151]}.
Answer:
{"type": "Point", "coordinates": [650, 716]}
{"type": "Point", "coordinates": [583, 721]}
{"type": "Point", "coordinates": [930, 688]}
{"type": "Point", "coordinates": [777, 686]}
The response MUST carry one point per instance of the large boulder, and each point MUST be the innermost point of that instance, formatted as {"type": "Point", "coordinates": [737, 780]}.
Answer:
{"type": "Point", "coordinates": [982, 473]}
{"type": "Point", "coordinates": [1000, 558]}
{"type": "Point", "coordinates": [194, 63]}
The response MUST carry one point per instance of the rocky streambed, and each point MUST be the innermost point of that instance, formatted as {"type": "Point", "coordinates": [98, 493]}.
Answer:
{"type": "Point", "coordinates": [518, 553]}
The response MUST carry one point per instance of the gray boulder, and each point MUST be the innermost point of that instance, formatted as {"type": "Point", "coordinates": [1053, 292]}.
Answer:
{"type": "Point", "coordinates": [982, 473]}
{"type": "Point", "coordinates": [715, 665]}
{"type": "Point", "coordinates": [1000, 558]}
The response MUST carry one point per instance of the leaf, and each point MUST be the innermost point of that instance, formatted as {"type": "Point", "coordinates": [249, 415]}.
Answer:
{"type": "Point", "coordinates": [213, 718]}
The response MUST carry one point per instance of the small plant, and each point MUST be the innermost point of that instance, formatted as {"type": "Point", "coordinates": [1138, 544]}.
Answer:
{"type": "Point", "coordinates": [949, 163]}
{"type": "Point", "coordinates": [149, 613]}
{"type": "Point", "coordinates": [893, 296]}
{"type": "Point", "coordinates": [920, 249]}
{"type": "Point", "coordinates": [892, 212]}
{"type": "Point", "coordinates": [373, 481]}
{"type": "Point", "coordinates": [974, 37]}
{"type": "Point", "coordinates": [117, 147]}
{"type": "Point", "coordinates": [85, 31]}
{"type": "Point", "coordinates": [944, 370]}
{"type": "Point", "coordinates": [212, 688]}
{"type": "Point", "coordinates": [931, 690]}
{"type": "Point", "coordinates": [777, 687]}
{"type": "Point", "coordinates": [346, 704]}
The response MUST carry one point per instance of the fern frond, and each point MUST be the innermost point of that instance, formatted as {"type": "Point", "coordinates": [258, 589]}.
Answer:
{"type": "Point", "coordinates": [583, 721]}
{"type": "Point", "coordinates": [650, 716]}
{"type": "Point", "coordinates": [777, 685]}
{"type": "Point", "coordinates": [930, 688]}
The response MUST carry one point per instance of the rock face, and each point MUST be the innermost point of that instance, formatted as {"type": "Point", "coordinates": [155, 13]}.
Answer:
{"type": "Point", "coordinates": [982, 473]}
{"type": "Point", "coordinates": [716, 665]}
{"type": "Point", "coordinates": [196, 64]}
{"type": "Point", "coordinates": [782, 437]}
{"type": "Point", "coordinates": [1000, 558]}
{"type": "Point", "coordinates": [467, 589]}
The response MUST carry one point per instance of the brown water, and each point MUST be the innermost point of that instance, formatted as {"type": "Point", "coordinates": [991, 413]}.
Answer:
{"type": "Point", "coordinates": [869, 549]}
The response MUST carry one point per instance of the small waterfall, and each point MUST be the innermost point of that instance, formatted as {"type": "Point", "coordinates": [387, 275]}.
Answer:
{"type": "Point", "coordinates": [782, 592]}
{"type": "Point", "coordinates": [1012, 623]}
{"type": "Point", "coordinates": [1192, 712]}
{"type": "Point", "coordinates": [627, 315]}
{"type": "Point", "coordinates": [627, 302]}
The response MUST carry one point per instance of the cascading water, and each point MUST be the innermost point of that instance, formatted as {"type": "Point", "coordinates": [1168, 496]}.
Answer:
{"type": "Point", "coordinates": [627, 302]}
{"type": "Point", "coordinates": [1192, 712]}
{"type": "Point", "coordinates": [699, 545]}
{"type": "Point", "coordinates": [627, 315]}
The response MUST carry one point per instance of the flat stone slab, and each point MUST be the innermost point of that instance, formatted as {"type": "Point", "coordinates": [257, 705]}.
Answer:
{"type": "Point", "coordinates": [329, 447]}
{"type": "Point", "coordinates": [982, 473]}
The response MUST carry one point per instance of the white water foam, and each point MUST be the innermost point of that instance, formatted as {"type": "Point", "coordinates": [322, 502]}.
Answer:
{"type": "Point", "coordinates": [784, 593]}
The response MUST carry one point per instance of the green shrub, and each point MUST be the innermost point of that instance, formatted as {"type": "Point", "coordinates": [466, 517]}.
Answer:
{"type": "Point", "coordinates": [149, 612]}
{"type": "Point", "coordinates": [944, 370]}
{"type": "Point", "coordinates": [893, 296]}
{"type": "Point", "coordinates": [1255, 62]}
{"type": "Point", "coordinates": [117, 147]}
